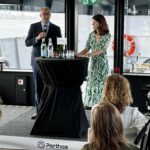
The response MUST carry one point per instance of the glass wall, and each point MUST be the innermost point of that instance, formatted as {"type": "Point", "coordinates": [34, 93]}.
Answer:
{"type": "Point", "coordinates": [106, 8]}
{"type": "Point", "coordinates": [137, 36]}
{"type": "Point", "coordinates": [15, 22]}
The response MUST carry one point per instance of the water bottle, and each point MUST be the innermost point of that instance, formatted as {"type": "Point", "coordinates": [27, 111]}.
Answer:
{"type": "Point", "coordinates": [50, 48]}
{"type": "Point", "coordinates": [44, 49]}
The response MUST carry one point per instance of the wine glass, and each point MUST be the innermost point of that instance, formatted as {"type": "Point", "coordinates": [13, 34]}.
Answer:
{"type": "Point", "coordinates": [133, 60]}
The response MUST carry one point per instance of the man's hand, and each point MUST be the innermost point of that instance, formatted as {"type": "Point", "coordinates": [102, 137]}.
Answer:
{"type": "Point", "coordinates": [41, 35]}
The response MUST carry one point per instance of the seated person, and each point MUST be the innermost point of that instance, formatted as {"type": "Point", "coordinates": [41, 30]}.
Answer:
{"type": "Point", "coordinates": [117, 91]}
{"type": "Point", "coordinates": [106, 131]}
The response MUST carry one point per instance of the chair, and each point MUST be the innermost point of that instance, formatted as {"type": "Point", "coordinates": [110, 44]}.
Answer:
{"type": "Point", "coordinates": [144, 137]}
{"type": "Point", "coordinates": [146, 89]}
{"type": "Point", "coordinates": [3, 61]}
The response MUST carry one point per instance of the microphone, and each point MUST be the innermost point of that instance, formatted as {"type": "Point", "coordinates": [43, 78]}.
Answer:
{"type": "Point", "coordinates": [45, 28]}
{"type": "Point", "coordinates": [141, 133]}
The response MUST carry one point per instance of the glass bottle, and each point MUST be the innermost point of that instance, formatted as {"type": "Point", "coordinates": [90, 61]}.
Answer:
{"type": "Point", "coordinates": [50, 48]}
{"type": "Point", "coordinates": [44, 50]}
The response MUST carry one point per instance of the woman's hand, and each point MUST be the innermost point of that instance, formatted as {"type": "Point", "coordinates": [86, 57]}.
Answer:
{"type": "Point", "coordinates": [85, 55]}
{"type": "Point", "coordinates": [77, 55]}
{"type": "Point", "coordinates": [81, 55]}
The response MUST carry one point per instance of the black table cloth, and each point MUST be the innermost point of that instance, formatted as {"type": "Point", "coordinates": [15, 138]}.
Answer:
{"type": "Point", "coordinates": [61, 113]}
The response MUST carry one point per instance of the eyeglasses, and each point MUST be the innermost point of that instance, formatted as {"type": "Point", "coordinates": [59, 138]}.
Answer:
{"type": "Point", "coordinates": [45, 14]}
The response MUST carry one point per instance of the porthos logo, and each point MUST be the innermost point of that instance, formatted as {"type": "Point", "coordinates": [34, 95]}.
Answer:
{"type": "Point", "coordinates": [89, 2]}
{"type": "Point", "coordinates": [41, 144]}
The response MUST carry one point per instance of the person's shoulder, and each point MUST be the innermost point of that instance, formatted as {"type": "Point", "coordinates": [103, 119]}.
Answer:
{"type": "Point", "coordinates": [54, 25]}
{"type": "Point", "coordinates": [94, 106]}
{"type": "Point", "coordinates": [131, 109]}
{"type": "Point", "coordinates": [137, 114]}
{"type": "Point", "coordinates": [133, 147]}
{"type": "Point", "coordinates": [35, 24]}
{"type": "Point", "coordinates": [107, 34]}
{"type": "Point", "coordinates": [129, 146]}
{"type": "Point", "coordinates": [134, 110]}
{"type": "Point", "coordinates": [92, 34]}
{"type": "Point", "coordinates": [86, 147]}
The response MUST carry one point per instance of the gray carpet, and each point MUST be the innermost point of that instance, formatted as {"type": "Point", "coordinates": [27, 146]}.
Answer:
{"type": "Point", "coordinates": [10, 112]}
{"type": "Point", "coordinates": [16, 121]}
{"type": "Point", "coordinates": [21, 124]}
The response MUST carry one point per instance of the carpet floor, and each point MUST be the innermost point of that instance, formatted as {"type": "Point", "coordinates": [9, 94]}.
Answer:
{"type": "Point", "coordinates": [16, 125]}
{"type": "Point", "coordinates": [16, 121]}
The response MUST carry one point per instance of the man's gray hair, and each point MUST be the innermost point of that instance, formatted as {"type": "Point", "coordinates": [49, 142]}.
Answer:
{"type": "Point", "coordinates": [45, 8]}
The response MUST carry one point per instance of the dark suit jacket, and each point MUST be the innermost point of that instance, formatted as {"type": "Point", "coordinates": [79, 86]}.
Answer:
{"type": "Point", "coordinates": [35, 29]}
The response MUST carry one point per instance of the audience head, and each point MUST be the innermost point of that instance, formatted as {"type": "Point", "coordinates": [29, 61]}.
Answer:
{"type": "Point", "coordinates": [107, 128]}
{"type": "Point", "coordinates": [117, 91]}
{"type": "Point", "coordinates": [100, 24]}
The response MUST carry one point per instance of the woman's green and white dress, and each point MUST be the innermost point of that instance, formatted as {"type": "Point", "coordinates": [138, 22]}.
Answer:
{"type": "Point", "coordinates": [98, 69]}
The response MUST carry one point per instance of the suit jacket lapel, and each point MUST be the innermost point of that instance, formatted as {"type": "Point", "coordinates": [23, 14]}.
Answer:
{"type": "Point", "coordinates": [40, 27]}
{"type": "Point", "coordinates": [50, 30]}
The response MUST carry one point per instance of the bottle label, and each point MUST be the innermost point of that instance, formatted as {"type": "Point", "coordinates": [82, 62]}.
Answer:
{"type": "Point", "coordinates": [44, 51]}
{"type": "Point", "coordinates": [50, 51]}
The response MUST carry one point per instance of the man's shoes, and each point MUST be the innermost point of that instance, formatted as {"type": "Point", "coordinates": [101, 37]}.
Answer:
{"type": "Point", "coordinates": [34, 116]}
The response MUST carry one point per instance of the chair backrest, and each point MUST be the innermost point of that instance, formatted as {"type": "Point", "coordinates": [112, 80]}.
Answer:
{"type": "Point", "coordinates": [144, 137]}
{"type": "Point", "coordinates": [145, 144]}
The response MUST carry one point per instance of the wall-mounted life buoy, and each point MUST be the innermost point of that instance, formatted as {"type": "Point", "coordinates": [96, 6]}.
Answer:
{"type": "Point", "coordinates": [130, 45]}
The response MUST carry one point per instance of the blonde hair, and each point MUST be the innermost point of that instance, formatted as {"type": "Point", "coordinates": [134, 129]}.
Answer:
{"type": "Point", "coordinates": [117, 91]}
{"type": "Point", "coordinates": [107, 128]}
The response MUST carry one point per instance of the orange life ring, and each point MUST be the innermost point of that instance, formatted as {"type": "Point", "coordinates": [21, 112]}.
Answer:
{"type": "Point", "coordinates": [131, 42]}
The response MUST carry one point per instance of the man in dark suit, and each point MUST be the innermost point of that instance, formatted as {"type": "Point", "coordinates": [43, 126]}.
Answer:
{"type": "Point", "coordinates": [43, 29]}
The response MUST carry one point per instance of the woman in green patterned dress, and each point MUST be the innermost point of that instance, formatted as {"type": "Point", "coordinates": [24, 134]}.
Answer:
{"type": "Point", "coordinates": [97, 42]}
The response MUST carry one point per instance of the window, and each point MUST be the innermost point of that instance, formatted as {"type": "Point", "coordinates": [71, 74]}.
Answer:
{"type": "Point", "coordinates": [86, 12]}
{"type": "Point", "coordinates": [137, 31]}
{"type": "Point", "coordinates": [15, 22]}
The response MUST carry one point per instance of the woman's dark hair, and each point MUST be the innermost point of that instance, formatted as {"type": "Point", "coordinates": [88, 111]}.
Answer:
{"type": "Point", "coordinates": [103, 28]}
